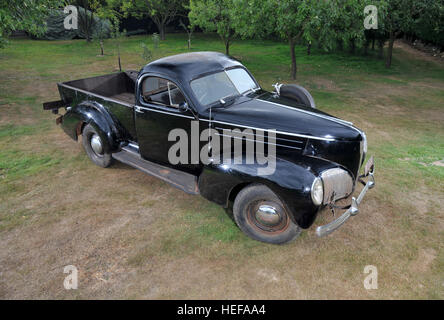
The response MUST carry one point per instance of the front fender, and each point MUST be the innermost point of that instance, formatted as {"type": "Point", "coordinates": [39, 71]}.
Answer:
{"type": "Point", "coordinates": [90, 112]}
{"type": "Point", "coordinates": [291, 181]}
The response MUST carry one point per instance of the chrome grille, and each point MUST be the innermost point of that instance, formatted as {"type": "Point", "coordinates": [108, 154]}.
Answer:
{"type": "Point", "coordinates": [338, 184]}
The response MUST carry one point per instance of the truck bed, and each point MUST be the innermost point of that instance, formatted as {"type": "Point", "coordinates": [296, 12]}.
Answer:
{"type": "Point", "coordinates": [116, 92]}
{"type": "Point", "coordinates": [117, 86]}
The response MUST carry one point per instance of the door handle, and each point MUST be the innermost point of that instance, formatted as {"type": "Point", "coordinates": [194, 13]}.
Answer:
{"type": "Point", "coordinates": [138, 109]}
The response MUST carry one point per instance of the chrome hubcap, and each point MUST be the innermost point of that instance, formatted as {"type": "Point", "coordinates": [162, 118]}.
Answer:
{"type": "Point", "coordinates": [268, 215]}
{"type": "Point", "coordinates": [96, 144]}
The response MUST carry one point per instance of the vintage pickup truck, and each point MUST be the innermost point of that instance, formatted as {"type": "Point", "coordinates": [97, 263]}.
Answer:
{"type": "Point", "coordinates": [136, 118]}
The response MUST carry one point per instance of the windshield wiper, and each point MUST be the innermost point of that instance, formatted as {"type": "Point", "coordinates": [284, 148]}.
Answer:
{"type": "Point", "coordinates": [223, 100]}
{"type": "Point", "coordinates": [251, 90]}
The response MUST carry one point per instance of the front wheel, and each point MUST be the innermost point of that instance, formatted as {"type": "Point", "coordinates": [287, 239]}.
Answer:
{"type": "Point", "coordinates": [95, 147]}
{"type": "Point", "coordinates": [262, 216]}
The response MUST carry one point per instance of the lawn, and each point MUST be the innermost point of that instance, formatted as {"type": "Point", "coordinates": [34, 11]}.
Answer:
{"type": "Point", "coordinates": [133, 236]}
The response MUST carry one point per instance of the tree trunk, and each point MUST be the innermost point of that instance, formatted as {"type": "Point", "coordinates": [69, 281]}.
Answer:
{"type": "Point", "coordinates": [352, 46]}
{"type": "Point", "coordinates": [294, 67]}
{"type": "Point", "coordinates": [373, 44]}
{"type": "Point", "coordinates": [162, 31]}
{"type": "Point", "coordinates": [101, 47]}
{"type": "Point", "coordinates": [366, 46]}
{"type": "Point", "coordinates": [161, 27]}
{"type": "Point", "coordinates": [381, 49]}
{"type": "Point", "coordinates": [340, 44]}
{"type": "Point", "coordinates": [227, 47]}
{"type": "Point", "coordinates": [89, 24]}
{"type": "Point", "coordinates": [388, 61]}
{"type": "Point", "coordinates": [309, 49]}
{"type": "Point", "coordinates": [118, 57]}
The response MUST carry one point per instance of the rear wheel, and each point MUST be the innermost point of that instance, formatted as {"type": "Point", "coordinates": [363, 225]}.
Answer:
{"type": "Point", "coordinates": [261, 215]}
{"type": "Point", "coordinates": [95, 147]}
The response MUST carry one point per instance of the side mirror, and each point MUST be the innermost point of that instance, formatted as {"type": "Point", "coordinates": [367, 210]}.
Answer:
{"type": "Point", "coordinates": [183, 107]}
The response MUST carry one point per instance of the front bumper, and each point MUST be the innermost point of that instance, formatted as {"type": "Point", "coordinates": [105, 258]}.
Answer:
{"type": "Point", "coordinates": [353, 210]}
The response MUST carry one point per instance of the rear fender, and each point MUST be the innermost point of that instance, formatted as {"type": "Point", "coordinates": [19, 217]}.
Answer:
{"type": "Point", "coordinates": [90, 112]}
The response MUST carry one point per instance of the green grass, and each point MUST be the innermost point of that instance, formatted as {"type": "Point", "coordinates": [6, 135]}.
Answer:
{"type": "Point", "coordinates": [140, 223]}
{"type": "Point", "coordinates": [14, 164]}
{"type": "Point", "coordinates": [15, 131]}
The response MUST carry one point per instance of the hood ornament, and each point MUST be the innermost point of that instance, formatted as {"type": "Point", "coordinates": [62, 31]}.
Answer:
{"type": "Point", "coordinates": [277, 86]}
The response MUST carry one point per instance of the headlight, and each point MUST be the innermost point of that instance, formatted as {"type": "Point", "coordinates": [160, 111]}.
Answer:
{"type": "Point", "coordinates": [317, 191]}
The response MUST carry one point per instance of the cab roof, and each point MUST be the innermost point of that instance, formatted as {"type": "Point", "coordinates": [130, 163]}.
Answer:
{"type": "Point", "coordinates": [188, 66]}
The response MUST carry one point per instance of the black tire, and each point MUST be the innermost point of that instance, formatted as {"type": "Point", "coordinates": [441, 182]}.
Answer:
{"type": "Point", "coordinates": [246, 210]}
{"type": "Point", "coordinates": [102, 159]}
{"type": "Point", "coordinates": [297, 93]}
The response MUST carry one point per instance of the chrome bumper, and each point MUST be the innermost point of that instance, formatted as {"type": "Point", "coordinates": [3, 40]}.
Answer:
{"type": "Point", "coordinates": [354, 207]}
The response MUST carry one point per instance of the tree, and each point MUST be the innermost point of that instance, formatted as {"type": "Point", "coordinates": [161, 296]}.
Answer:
{"type": "Point", "coordinates": [395, 17]}
{"type": "Point", "coordinates": [293, 20]}
{"type": "Point", "coordinates": [214, 15]}
{"type": "Point", "coordinates": [27, 15]}
{"type": "Point", "coordinates": [146, 54]}
{"type": "Point", "coordinates": [189, 30]}
{"type": "Point", "coordinates": [317, 29]}
{"type": "Point", "coordinates": [292, 17]}
{"type": "Point", "coordinates": [86, 17]}
{"type": "Point", "coordinates": [342, 24]}
{"type": "Point", "coordinates": [102, 31]}
{"type": "Point", "coordinates": [353, 11]}
{"type": "Point", "coordinates": [55, 26]}
{"type": "Point", "coordinates": [429, 25]}
{"type": "Point", "coordinates": [99, 36]}
{"type": "Point", "coordinates": [118, 36]}
{"type": "Point", "coordinates": [162, 12]}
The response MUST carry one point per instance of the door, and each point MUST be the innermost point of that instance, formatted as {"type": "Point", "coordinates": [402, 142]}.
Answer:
{"type": "Point", "coordinates": [160, 110]}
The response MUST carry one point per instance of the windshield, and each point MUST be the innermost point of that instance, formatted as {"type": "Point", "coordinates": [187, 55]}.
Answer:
{"type": "Point", "coordinates": [224, 84]}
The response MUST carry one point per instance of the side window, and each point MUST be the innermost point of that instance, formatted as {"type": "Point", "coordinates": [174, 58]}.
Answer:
{"type": "Point", "coordinates": [161, 91]}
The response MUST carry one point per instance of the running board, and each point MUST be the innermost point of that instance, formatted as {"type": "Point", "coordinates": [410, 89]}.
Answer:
{"type": "Point", "coordinates": [179, 179]}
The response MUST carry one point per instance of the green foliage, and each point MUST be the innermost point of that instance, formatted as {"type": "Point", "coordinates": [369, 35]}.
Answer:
{"type": "Point", "coordinates": [253, 19]}
{"type": "Point", "coordinates": [156, 40]}
{"type": "Point", "coordinates": [28, 15]}
{"type": "Point", "coordinates": [99, 29]}
{"type": "Point", "coordinates": [87, 16]}
{"type": "Point", "coordinates": [429, 25]}
{"type": "Point", "coordinates": [189, 30]}
{"type": "Point", "coordinates": [146, 54]}
{"type": "Point", "coordinates": [292, 20]}
{"type": "Point", "coordinates": [117, 35]}
{"type": "Point", "coordinates": [335, 24]}
{"type": "Point", "coordinates": [162, 12]}
{"type": "Point", "coordinates": [214, 16]}
{"type": "Point", "coordinates": [346, 25]}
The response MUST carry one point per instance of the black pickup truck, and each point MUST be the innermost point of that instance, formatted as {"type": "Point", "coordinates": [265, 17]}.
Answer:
{"type": "Point", "coordinates": [201, 122]}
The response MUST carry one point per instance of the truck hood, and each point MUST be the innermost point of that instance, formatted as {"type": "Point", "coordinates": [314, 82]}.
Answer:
{"type": "Point", "coordinates": [265, 111]}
